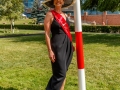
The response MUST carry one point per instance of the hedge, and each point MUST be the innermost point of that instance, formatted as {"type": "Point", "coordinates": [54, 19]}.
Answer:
{"type": "Point", "coordinates": [26, 27]}
{"type": "Point", "coordinates": [85, 28]}
{"type": "Point", "coordinates": [100, 29]}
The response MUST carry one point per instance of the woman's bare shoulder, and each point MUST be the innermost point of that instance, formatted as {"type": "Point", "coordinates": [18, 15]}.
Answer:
{"type": "Point", "coordinates": [48, 17]}
{"type": "Point", "coordinates": [49, 14]}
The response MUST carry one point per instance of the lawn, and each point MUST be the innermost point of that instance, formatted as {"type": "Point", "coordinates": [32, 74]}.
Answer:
{"type": "Point", "coordinates": [20, 21]}
{"type": "Point", "coordinates": [24, 63]}
{"type": "Point", "coordinates": [18, 32]}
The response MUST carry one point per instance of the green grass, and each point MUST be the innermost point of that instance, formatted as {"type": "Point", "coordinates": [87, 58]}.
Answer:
{"type": "Point", "coordinates": [102, 53]}
{"type": "Point", "coordinates": [8, 32]}
{"type": "Point", "coordinates": [24, 63]}
{"type": "Point", "coordinates": [20, 21]}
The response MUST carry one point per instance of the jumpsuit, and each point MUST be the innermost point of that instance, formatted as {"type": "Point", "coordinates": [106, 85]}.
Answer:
{"type": "Point", "coordinates": [63, 50]}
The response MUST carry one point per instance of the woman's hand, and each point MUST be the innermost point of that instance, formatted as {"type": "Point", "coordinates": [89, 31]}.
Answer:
{"type": "Point", "coordinates": [52, 56]}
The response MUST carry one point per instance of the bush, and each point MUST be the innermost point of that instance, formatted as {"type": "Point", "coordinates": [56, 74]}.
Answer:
{"type": "Point", "coordinates": [85, 28]}
{"type": "Point", "coordinates": [27, 27]}
{"type": "Point", "coordinates": [102, 29]}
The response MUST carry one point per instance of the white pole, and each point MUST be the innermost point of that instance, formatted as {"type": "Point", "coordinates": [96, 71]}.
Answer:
{"type": "Point", "coordinates": [79, 45]}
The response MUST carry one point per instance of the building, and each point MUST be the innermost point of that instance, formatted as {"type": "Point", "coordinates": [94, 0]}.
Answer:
{"type": "Point", "coordinates": [29, 5]}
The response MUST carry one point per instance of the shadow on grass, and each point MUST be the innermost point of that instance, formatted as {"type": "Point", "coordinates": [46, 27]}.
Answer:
{"type": "Point", "coordinates": [1, 88]}
{"type": "Point", "coordinates": [108, 39]}
{"type": "Point", "coordinates": [33, 38]}
{"type": "Point", "coordinates": [1, 31]}
{"type": "Point", "coordinates": [88, 38]}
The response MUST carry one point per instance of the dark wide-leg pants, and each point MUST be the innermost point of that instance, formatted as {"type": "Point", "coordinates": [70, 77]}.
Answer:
{"type": "Point", "coordinates": [63, 57]}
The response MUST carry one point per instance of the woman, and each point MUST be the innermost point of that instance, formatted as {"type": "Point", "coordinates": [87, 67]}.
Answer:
{"type": "Point", "coordinates": [59, 46]}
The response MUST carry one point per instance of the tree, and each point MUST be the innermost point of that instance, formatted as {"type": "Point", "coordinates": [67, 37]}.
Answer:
{"type": "Point", "coordinates": [38, 11]}
{"type": "Point", "coordinates": [102, 5]}
{"type": "Point", "coordinates": [11, 9]}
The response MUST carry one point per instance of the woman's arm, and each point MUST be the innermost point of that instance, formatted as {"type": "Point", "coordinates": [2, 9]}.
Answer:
{"type": "Point", "coordinates": [47, 25]}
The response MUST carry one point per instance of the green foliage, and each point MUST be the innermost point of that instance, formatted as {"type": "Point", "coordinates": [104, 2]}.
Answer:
{"type": "Point", "coordinates": [38, 12]}
{"type": "Point", "coordinates": [102, 5]}
{"type": "Point", "coordinates": [85, 28]}
{"type": "Point", "coordinates": [12, 9]}
{"type": "Point", "coordinates": [27, 27]}
{"type": "Point", "coordinates": [101, 29]}
{"type": "Point", "coordinates": [89, 4]}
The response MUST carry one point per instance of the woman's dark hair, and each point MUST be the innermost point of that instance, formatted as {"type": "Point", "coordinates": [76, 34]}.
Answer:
{"type": "Point", "coordinates": [52, 1]}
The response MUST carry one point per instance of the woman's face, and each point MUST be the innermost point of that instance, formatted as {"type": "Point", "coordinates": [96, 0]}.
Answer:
{"type": "Point", "coordinates": [58, 3]}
